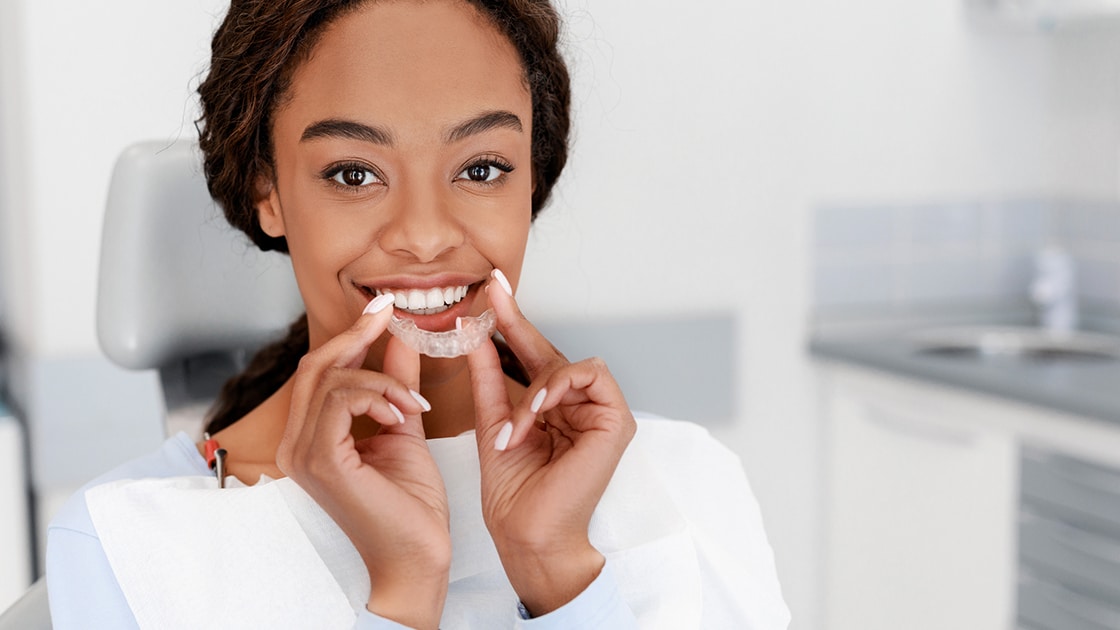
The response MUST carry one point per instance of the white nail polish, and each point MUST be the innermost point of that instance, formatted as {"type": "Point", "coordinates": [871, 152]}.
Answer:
{"type": "Point", "coordinates": [379, 303]}
{"type": "Point", "coordinates": [504, 434]}
{"type": "Point", "coordinates": [397, 413]}
{"type": "Point", "coordinates": [538, 400]}
{"type": "Point", "coordinates": [458, 323]}
{"type": "Point", "coordinates": [420, 399]}
{"type": "Point", "coordinates": [501, 278]}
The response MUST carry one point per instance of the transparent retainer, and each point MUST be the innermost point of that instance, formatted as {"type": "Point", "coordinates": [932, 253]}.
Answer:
{"type": "Point", "coordinates": [446, 344]}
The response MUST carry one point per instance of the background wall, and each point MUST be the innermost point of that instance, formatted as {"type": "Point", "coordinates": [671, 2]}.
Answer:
{"type": "Point", "coordinates": [703, 140]}
{"type": "Point", "coordinates": [90, 78]}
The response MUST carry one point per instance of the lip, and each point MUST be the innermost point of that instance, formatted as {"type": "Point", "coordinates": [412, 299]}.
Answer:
{"type": "Point", "coordinates": [437, 322]}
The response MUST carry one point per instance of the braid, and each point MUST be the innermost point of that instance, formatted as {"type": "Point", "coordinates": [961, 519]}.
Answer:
{"type": "Point", "coordinates": [270, 368]}
{"type": "Point", "coordinates": [533, 27]}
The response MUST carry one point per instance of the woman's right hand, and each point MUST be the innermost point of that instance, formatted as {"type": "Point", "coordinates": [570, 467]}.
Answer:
{"type": "Point", "coordinates": [385, 491]}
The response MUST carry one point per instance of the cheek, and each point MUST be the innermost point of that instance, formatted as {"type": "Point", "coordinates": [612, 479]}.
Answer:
{"type": "Point", "coordinates": [320, 248]}
{"type": "Point", "coordinates": [323, 234]}
{"type": "Point", "coordinates": [504, 243]}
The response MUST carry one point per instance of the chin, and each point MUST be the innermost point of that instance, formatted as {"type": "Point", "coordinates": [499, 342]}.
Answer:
{"type": "Point", "coordinates": [436, 372]}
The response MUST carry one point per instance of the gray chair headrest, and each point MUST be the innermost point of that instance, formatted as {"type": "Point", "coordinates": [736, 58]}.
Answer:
{"type": "Point", "coordinates": [176, 280]}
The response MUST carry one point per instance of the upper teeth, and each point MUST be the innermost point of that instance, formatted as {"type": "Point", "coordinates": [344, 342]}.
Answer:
{"type": "Point", "coordinates": [426, 299]}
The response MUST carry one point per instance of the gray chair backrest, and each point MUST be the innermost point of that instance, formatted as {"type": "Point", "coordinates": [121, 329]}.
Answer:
{"type": "Point", "coordinates": [179, 290]}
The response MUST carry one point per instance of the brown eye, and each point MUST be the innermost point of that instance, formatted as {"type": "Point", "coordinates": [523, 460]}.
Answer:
{"type": "Point", "coordinates": [479, 172]}
{"type": "Point", "coordinates": [352, 176]}
{"type": "Point", "coordinates": [485, 172]}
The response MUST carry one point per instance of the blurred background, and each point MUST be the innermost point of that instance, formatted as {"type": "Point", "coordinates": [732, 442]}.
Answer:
{"type": "Point", "coordinates": [800, 186]}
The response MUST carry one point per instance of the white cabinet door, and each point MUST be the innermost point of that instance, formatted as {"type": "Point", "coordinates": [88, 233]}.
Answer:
{"type": "Point", "coordinates": [921, 516]}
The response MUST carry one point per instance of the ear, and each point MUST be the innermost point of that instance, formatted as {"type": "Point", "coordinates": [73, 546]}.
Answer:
{"type": "Point", "coordinates": [269, 212]}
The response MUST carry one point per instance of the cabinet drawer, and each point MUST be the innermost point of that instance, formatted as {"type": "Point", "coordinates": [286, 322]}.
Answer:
{"type": "Point", "coordinates": [1051, 606]}
{"type": "Point", "coordinates": [1072, 490]}
{"type": "Point", "coordinates": [1071, 555]}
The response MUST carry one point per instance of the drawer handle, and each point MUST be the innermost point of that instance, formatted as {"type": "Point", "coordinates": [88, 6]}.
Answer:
{"type": "Point", "coordinates": [920, 429]}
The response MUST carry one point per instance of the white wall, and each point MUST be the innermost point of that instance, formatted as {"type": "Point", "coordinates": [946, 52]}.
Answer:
{"type": "Point", "coordinates": [16, 288]}
{"type": "Point", "coordinates": [96, 77]}
{"type": "Point", "coordinates": [704, 138]}
{"type": "Point", "coordinates": [1085, 113]}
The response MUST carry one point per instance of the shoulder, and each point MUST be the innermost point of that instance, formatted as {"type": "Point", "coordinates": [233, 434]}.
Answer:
{"type": "Point", "coordinates": [683, 442]}
{"type": "Point", "coordinates": [695, 468]}
{"type": "Point", "coordinates": [176, 457]}
{"type": "Point", "coordinates": [710, 490]}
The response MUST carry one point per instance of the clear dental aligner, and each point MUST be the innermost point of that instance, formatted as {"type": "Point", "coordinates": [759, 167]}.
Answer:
{"type": "Point", "coordinates": [468, 337]}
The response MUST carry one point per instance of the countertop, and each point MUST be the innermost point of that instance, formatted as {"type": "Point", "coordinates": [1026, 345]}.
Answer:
{"type": "Point", "coordinates": [1089, 388]}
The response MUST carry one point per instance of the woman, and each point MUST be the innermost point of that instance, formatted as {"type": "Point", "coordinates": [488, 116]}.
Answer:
{"type": "Point", "coordinates": [399, 152]}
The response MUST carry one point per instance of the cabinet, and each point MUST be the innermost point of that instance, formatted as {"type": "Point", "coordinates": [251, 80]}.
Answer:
{"type": "Point", "coordinates": [1069, 543]}
{"type": "Point", "coordinates": [921, 509]}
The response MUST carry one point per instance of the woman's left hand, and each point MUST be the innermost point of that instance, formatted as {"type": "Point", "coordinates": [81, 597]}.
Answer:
{"type": "Point", "coordinates": [546, 461]}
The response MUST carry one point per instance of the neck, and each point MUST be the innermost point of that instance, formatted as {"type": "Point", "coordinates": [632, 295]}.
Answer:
{"type": "Point", "coordinates": [452, 406]}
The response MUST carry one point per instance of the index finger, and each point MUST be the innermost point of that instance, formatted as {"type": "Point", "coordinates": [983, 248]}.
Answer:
{"type": "Point", "coordinates": [403, 364]}
{"type": "Point", "coordinates": [346, 349]}
{"type": "Point", "coordinates": [533, 349]}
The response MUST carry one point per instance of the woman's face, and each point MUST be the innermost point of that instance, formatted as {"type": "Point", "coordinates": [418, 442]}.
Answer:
{"type": "Point", "coordinates": [402, 155]}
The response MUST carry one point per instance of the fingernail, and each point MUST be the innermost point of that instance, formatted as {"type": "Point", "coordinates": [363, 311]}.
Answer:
{"type": "Point", "coordinates": [504, 434]}
{"type": "Point", "coordinates": [397, 413]}
{"type": "Point", "coordinates": [420, 399]}
{"type": "Point", "coordinates": [538, 400]}
{"type": "Point", "coordinates": [377, 304]}
{"type": "Point", "coordinates": [501, 278]}
{"type": "Point", "coordinates": [458, 323]}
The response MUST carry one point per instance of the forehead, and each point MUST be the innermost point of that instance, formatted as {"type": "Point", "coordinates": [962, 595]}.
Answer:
{"type": "Point", "coordinates": [401, 62]}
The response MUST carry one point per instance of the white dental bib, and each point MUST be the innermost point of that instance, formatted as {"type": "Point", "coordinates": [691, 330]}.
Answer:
{"type": "Point", "coordinates": [188, 555]}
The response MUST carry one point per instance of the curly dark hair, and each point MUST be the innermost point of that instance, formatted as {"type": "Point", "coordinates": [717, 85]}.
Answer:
{"type": "Point", "coordinates": [254, 54]}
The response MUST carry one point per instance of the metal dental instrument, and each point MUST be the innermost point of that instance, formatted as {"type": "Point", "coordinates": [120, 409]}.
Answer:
{"type": "Point", "coordinates": [215, 458]}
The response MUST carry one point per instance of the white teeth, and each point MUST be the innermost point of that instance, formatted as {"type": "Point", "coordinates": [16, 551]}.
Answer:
{"type": "Point", "coordinates": [425, 301]}
{"type": "Point", "coordinates": [435, 298]}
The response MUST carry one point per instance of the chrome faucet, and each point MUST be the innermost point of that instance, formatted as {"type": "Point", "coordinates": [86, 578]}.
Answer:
{"type": "Point", "coordinates": [1054, 290]}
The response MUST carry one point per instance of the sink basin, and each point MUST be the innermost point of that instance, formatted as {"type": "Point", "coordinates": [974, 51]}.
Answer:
{"type": "Point", "coordinates": [1018, 343]}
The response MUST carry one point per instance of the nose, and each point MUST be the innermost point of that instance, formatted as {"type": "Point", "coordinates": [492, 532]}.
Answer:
{"type": "Point", "coordinates": [422, 225]}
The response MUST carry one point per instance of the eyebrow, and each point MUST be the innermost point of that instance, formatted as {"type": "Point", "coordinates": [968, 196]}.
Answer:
{"type": "Point", "coordinates": [484, 122]}
{"type": "Point", "coordinates": [336, 128]}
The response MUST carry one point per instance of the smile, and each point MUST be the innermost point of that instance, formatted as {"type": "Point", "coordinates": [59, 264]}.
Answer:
{"type": "Point", "coordinates": [426, 301]}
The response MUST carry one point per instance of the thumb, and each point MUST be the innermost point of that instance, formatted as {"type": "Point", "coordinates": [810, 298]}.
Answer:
{"type": "Point", "coordinates": [491, 400]}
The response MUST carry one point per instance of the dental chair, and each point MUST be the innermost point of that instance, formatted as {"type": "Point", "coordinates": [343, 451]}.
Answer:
{"type": "Point", "coordinates": [179, 291]}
